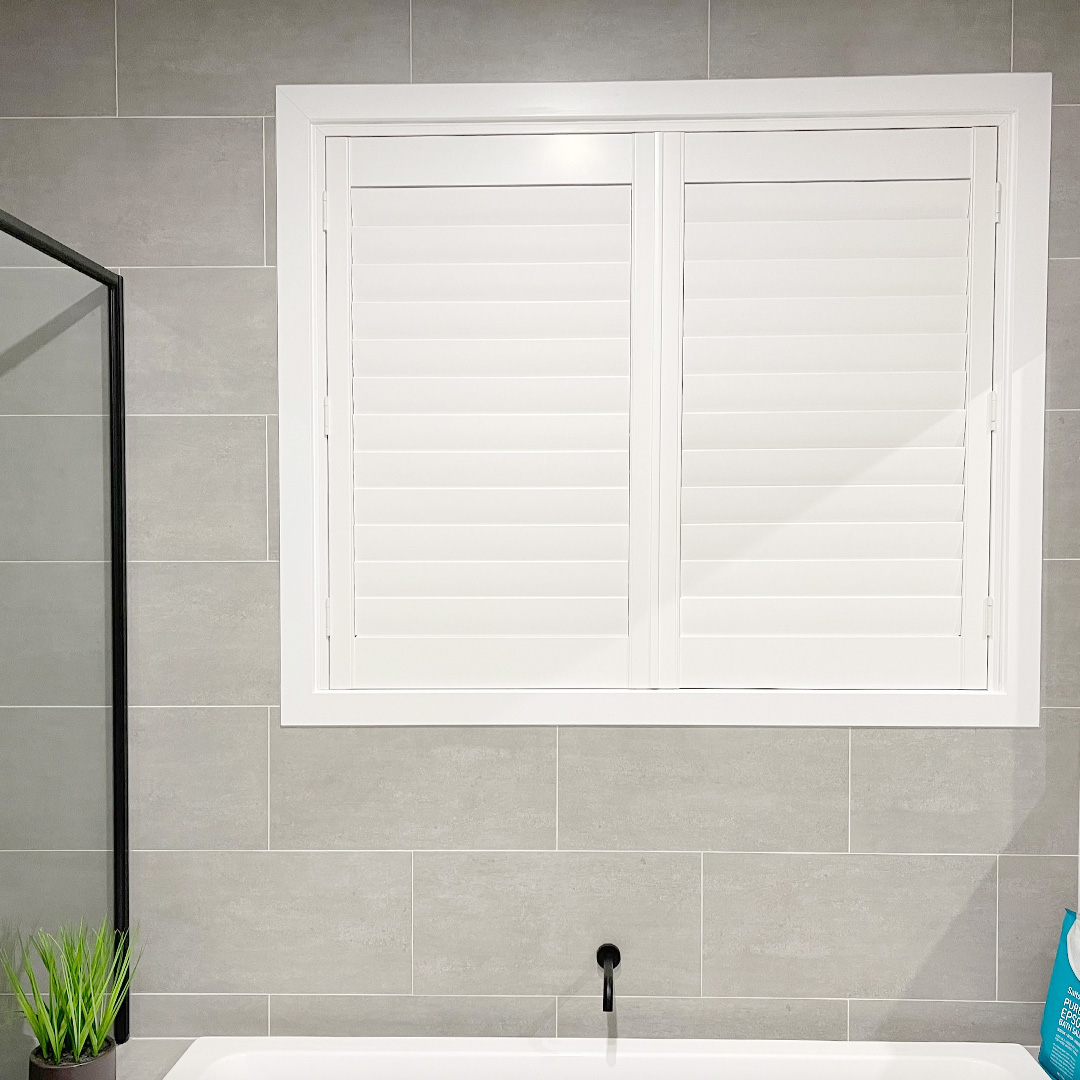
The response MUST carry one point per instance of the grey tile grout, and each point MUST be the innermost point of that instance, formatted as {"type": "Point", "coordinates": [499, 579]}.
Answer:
{"type": "Point", "coordinates": [701, 930]}
{"type": "Point", "coordinates": [269, 725]}
{"type": "Point", "coordinates": [141, 116]}
{"type": "Point", "coordinates": [850, 739]}
{"type": "Point", "coordinates": [263, 129]}
{"type": "Point", "coordinates": [997, 927]}
{"type": "Point", "coordinates": [849, 1019]}
{"type": "Point", "coordinates": [553, 996]}
{"type": "Point", "coordinates": [556, 787]}
{"type": "Point", "coordinates": [196, 416]}
{"type": "Point", "coordinates": [187, 266]}
{"type": "Point", "coordinates": [552, 851]}
{"type": "Point", "coordinates": [116, 56]}
{"type": "Point", "coordinates": [412, 922]}
{"type": "Point", "coordinates": [266, 462]}
{"type": "Point", "coordinates": [708, 39]}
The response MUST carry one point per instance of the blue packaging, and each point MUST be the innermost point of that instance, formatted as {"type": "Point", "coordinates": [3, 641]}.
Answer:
{"type": "Point", "coordinates": [1059, 1054]}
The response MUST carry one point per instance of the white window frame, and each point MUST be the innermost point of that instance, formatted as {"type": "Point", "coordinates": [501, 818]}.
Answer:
{"type": "Point", "coordinates": [1018, 105]}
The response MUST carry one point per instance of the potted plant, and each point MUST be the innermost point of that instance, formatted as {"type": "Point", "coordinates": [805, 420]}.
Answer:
{"type": "Point", "coordinates": [89, 975]}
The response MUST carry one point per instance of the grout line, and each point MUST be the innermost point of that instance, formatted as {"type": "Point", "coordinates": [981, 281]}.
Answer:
{"type": "Point", "coordinates": [269, 724]}
{"type": "Point", "coordinates": [556, 787]}
{"type": "Point", "coordinates": [266, 462]}
{"type": "Point", "coordinates": [1012, 35]}
{"type": "Point", "coordinates": [192, 266]}
{"type": "Point", "coordinates": [701, 931]}
{"type": "Point", "coordinates": [556, 1016]}
{"type": "Point", "coordinates": [56, 562]}
{"type": "Point", "coordinates": [549, 997]}
{"type": "Point", "coordinates": [629, 852]}
{"type": "Point", "coordinates": [194, 416]}
{"type": "Point", "coordinates": [267, 1014]}
{"type": "Point", "coordinates": [116, 56]}
{"type": "Point", "coordinates": [263, 126]}
{"type": "Point", "coordinates": [141, 116]}
{"type": "Point", "coordinates": [412, 922]}
{"type": "Point", "coordinates": [849, 1019]}
{"type": "Point", "coordinates": [850, 738]}
{"type": "Point", "coordinates": [997, 927]}
{"type": "Point", "coordinates": [708, 39]}
{"type": "Point", "coordinates": [197, 562]}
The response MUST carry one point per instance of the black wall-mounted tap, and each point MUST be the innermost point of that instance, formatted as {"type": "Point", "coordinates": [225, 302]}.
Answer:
{"type": "Point", "coordinates": [608, 957]}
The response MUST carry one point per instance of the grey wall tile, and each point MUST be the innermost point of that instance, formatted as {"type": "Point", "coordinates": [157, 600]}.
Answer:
{"type": "Point", "coordinates": [1065, 183]}
{"type": "Point", "coordinates": [703, 1018]}
{"type": "Point", "coordinates": [849, 926]}
{"type": "Point", "coordinates": [188, 1016]}
{"type": "Point", "coordinates": [15, 1040]}
{"type": "Point", "coordinates": [54, 633]}
{"type": "Point", "coordinates": [1061, 510]}
{"type": "Point", "coordinates": [1063, 335]}
{"type": "Point", "coordinates": [57, 58]}
{"type": "Point", "coordinates": [198, 779]}
{"type": "Point", "coordinates": [784, 38]}
{"type": "Point", "coordinates": [550, 911]}
{"type": "Point", "coordinates": [201, 340]}
{"type": "Point", "coordinates": [47, 889]}
{"type": "Point", "coordinates": [139, 192]}
{"type": "Point", "coordinates": [491, 40]}
{"type": "Point", "coordinates": [270, 188]}
{"type": "Point", "coordinates": [945, 1021]}
{"type": "Point", "coordinates": [1034, 893]}
{"type": "Point", "coordinates": [278, 922]}
{"type": "Point", "coordinates": [1060, 632]}
{"type": "Point", "coordinates": [197, 487]}
{"type": "Point", "coordinates": [977, 790]}
{"type": "Point", "coordinates": [1045, 33]}
{"type": "Point", "coordinates": [733, 789]}
{"type": "Point", "coordinates": [54, 497]}
{"type": "Point", "coordinates": [408, 1015]}
{"type": "Point", "coordinates": [225, 57]}
{"type": "Point", "coordinates": [148, 1059]}
{"type": "Point", "coordinates": [273, 490]}
{"type": "Point", "coordinates": [204, 633]}
{"type": "Point", "coordinates": [412, 787]}
{"type": "Point", "coordinates": [53, 326]}
{"type": "Point", "coordinates": [40, 745]}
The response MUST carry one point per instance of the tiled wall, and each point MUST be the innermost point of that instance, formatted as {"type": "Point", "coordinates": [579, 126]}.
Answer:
{"type": "Point", "coordinates": [900, 884]}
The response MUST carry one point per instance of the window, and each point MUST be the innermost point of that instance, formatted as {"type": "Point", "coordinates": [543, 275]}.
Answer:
{"type": "Point", "coordinates": [735, 418]}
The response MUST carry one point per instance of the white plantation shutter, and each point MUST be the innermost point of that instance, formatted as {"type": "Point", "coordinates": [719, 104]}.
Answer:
{"type": "Point", "coordinates": [835, 446]}
{"type": "Point", "coordinates": [480, 517]}
{"type": "Point", "coordinates": [701, 410]}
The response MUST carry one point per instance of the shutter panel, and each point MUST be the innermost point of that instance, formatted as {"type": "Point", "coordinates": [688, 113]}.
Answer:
{"type": "Point", "coordinates": [489, 381]}
{"type": "Point", "coordinates": [835, 454]}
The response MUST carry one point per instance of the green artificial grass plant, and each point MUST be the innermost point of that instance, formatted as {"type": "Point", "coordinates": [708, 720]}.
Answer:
{"type": "Point", "coordinates": [89, 975]}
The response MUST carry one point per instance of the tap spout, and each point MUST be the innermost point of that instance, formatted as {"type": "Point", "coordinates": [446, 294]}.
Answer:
{"type": "Point", "coordinates": [608, 957]}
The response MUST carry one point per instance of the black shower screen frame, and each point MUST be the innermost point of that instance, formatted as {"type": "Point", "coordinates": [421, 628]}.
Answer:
{"type": "Point", "coordinates": [118, 551]}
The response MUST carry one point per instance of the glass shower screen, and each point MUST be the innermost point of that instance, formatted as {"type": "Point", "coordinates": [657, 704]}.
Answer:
{"type": "Point", "coordinates": [63, 828]}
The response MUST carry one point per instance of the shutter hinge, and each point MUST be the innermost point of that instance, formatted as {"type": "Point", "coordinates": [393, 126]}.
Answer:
{"type": "Point", "coordinates": [988, 617]}
{"type": "Point", "coordinates": [326, 615]}
{"type": "Point", "coordinates": [325, 210]}
{"type": "Point", "coordinates": [326, 417]}
{"type": "Point", "coordinates": [997, 202]}
{"type": "Point", "coordinates": [991, 411]}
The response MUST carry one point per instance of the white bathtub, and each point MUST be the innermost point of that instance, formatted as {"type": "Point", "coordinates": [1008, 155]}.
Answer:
{"type": "Point", "coordinates": [593, 1059]}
